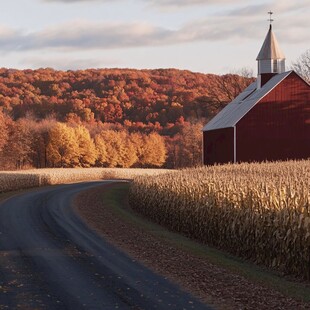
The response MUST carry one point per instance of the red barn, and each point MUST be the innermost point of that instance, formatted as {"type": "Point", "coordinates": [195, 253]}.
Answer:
{"type": "Point", "coordinates": [270, 120]}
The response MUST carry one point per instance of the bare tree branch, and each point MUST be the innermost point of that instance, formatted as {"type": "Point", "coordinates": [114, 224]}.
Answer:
{"type": "Point", "coordinates": [227, 87]}
{"type": "Point", "coordinates": [302, 65]}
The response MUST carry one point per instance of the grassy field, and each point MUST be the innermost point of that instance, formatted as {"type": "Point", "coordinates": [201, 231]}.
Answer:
{"type": "Point", "coordinates": [255, 211]}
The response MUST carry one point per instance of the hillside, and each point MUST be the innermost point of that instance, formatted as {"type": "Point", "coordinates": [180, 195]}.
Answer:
{"type": "Point", "coordinates": [165, 101]}
{"type": "Point", "coordinates": [116, 95]}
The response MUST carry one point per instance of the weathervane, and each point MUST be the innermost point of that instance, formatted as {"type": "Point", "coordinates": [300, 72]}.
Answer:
{"type": "Point", "coordinates": [270, 19]}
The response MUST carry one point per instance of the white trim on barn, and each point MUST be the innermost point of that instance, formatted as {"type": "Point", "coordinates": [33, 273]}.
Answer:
{"type": "Point", "coordinates": [235, 144]}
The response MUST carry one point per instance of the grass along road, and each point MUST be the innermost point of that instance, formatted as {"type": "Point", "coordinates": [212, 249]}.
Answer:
{"type": "Point", "coordinates": [218, 278]}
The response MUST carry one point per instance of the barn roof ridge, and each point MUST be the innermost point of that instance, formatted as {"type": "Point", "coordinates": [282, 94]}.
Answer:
{"type": "Point", "coordinates": [243, 103]}
{"type": "Point", "coordinates": [300, 76]}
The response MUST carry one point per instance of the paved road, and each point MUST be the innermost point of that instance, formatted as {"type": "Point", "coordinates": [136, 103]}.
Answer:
{"type": "Point", "coordinates": [49, 259]}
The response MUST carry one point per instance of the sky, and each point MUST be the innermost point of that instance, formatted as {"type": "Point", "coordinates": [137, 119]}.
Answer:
{"type": "Point", "coordinates": [208, 36]}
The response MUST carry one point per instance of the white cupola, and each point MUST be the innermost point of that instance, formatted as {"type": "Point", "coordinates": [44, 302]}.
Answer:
{"type": "Point", "coordinates": [271, 59]}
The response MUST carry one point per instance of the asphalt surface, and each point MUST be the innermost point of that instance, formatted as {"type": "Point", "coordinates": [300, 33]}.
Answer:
{"type": "Point", "coordinates": [49, 259]}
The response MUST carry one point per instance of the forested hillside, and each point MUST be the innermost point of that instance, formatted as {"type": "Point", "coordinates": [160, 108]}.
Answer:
{"type": "Point", "coordinates": [133, 107]}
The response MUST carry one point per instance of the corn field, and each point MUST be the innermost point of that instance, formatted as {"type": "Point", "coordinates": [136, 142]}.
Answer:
{"type": "Point", "coordinates": [10, 181]}
{"type": "Point", "coordinates": [256, 211]}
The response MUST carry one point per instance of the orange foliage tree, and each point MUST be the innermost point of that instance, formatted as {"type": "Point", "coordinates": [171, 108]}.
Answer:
{"type": "Point", "coordinates": [3, 130]}
{"type": "Point", "coordinates": [17, 151]}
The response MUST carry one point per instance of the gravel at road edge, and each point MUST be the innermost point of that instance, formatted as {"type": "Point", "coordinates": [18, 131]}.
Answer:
{"type": "Point", "coordinates": [215, 285]}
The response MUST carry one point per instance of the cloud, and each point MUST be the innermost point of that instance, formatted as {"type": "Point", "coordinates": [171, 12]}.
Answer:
{"type": "Point", "coordinates": [156, 3]}
{"type": "Point", "coordinates": [248, 10]}
{"type": "Point", "coordinates": [187, 2]}
{"type": "Point", "coordinates": [160, 2]}
{"type": "Point", "coordinates": [85, 35]}
{"type": "Point", "coordinates": [10, 39]}
{"type": "Point", "coordinates": [278, 7]}
{"type": "Point", "coordinates": [77, 1]}
{"type": "Point", "coordinates": [233, 25]}
{"type": "Point", "coordinates": [65, 63]}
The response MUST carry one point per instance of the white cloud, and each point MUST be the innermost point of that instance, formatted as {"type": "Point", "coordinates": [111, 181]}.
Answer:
{"type": "Point", "coordinates": [157, 3]}
{"type": "Point", "coordinates": [65, 63]}
{"type": "Point", "coordinates": [85, 35]}
{"type": "Point", "coordinates": [278, 7]}
{"type": "Point", "coordinates": [231, 25]}
{"type": "Point", "coordinates": [177, 3]}
{"type": "Point", "coordinates": [77, 1]}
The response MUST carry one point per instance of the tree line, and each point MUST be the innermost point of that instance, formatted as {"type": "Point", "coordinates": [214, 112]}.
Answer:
{"type": "Point", "coordinates": [144, 100]}
{"type": "Point", "coordinates": [49, 143]}
{"type": "Point", "coordinates": [112, 117]}
{"type": "Point", "coordinates": [122, 117]}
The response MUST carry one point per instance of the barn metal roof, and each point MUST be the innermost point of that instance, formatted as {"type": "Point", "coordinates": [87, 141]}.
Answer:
{"type": "Point", "coordinates": [243, 103]}
{"type": "Point", "coordinates": [270, 48]}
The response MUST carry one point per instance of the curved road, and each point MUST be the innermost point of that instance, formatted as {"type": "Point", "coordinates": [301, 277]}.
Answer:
{"type": "Point", "coordinates": [49, 259]}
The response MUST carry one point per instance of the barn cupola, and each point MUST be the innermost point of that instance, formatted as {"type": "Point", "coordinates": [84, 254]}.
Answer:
{"type": "Point", "coordinates": [271, 60]}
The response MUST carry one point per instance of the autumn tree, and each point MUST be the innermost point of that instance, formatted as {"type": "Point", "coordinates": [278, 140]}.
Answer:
{"type": "Point", "coordinates": [154, 151]}
{"type": "Point", "coordinates": [185, 150]}
{"type": "Point", "coordinates": [173, 147]}
{"type": "Point", "coordinates": [62, 150]}
{"type": "Point", "coordinates": [225, 88]}
{"type": "Point", "coordinates": [101, 148]}
{"type": "Point", "coordinates": [302, 65]}
{"type": "Point", "coordinates": [16, 152]}
{"type": "Point", "coordinates": [138, 141]}
{"type": "Point", "coordinates": [3, 130]}
{"type": "Point", "coordinates": [40, 131]}
{"type": "Point", "coordinates": [120, 151]}
{"type": "Point", "coordinates": [110, 140]}
{"type": "Point", "coordinates": [86, 150]}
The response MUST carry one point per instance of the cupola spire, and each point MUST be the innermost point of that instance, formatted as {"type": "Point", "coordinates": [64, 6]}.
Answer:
{"type": "Point", "coordinates": [271, 59]}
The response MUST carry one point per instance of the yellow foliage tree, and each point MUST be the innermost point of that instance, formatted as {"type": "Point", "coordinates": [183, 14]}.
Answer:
{"type": "Point", "coordinates": [154, 152]}
{"type": "Point", "coordinates": [120, 151]}
{"type": "Point", "coordinates": [62, 150]}
{"type": "Point", "coordinates": [102, 158]}
{"type": "Point", "coordinates": [138, 141]}
{"type": "Point", "coordinates": [87, 152]}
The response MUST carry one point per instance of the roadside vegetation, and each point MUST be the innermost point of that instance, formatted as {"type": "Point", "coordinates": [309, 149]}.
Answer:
{"type": "Point", "coordinates": [259, 212]}
{"type": "Point", "coordinates": [17, 180]}
{"type": "Point", "coordinates": [221, 280]}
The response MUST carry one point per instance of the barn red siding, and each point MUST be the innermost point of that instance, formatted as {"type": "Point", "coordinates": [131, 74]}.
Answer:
{"type": "Point", "coordinates": [278, 127]}
{"type": "Point", "coordinates": [218, 146]}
